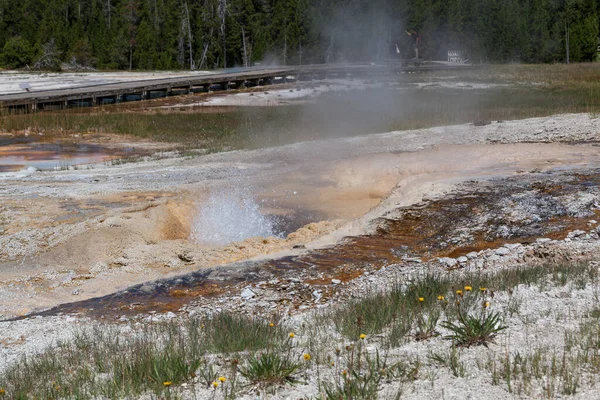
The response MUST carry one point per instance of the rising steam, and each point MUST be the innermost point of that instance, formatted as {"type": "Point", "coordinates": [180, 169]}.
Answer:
{"type": "Point", "coordinates": [230, 215]}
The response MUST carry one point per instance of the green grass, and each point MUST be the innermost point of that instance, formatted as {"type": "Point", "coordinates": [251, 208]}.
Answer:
{"type": "Point", "coordinates": [110, 363]}
{"type": "Point", "coordinates": [451, 360]}
{"type": "Point", "coordinates": [132, 365]}
{"type": "Point", "coordinates": [362, 374]}
{"type": "Point", "coordinates": [471, 329]}
{"type": "Point", "coordinates": [229, 333]}
{"type": "Point", "coordinates": [270, 369]}
{"type": "Point", "coordinates": [398, 309]}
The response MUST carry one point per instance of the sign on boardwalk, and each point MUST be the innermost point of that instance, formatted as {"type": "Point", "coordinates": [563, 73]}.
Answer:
{"type": "Point", "coordinates": [456, 57]}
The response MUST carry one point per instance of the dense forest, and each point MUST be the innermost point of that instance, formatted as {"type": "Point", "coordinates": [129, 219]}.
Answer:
{"type": "Point", "coordinates": [204, 34]}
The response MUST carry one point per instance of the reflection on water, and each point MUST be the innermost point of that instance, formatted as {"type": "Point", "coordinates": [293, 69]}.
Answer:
{"type": "Point", "coordinates": [17, 153]}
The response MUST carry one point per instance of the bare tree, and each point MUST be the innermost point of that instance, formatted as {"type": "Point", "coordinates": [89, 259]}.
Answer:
{"type": "Point", "coordinates": [186, 28]}
{"type": "Point", "coordinates": [245, 48]}
{"type": "Point", "coordinates": [108, 11]}
{"type": "Point", "coordinates": [285, 44]}
{"type": "Point", "coordinates": [222, 11]}
{"type": "Point", "coordinates": [50, 58]}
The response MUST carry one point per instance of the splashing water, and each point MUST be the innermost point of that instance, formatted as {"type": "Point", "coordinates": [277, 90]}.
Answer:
{"type": "Point", "coordinates": [230, 216]}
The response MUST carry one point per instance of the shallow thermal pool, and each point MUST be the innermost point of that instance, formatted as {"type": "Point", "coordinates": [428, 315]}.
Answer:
{"type": "Point", "coordinates": [17, 153]}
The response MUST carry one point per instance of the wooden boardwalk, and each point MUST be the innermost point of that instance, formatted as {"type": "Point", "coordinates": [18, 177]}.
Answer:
{"type": "Point", "coordinates": [244, 77]}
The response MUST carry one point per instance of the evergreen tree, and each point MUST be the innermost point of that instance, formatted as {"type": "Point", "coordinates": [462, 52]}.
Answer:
{"type": "Point", "coordinates": [174, 34]}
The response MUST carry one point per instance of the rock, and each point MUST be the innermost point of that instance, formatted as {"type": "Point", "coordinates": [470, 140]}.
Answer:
{"type": "Point", "coordinates": [146, 288]}
{"type": "Point", "coordinates": [462, 259]}
{"type": "Point", "coordinates": [472, 255]}
{"type": "Point", "coordinates": [317, 295]}
{"type": "Point", "coordinates": [502, 251]}
{"type": "Point", "coordinates": [75, 292]}
{"type": "Point", "coordinates": [247, 294]}
{"type": "Point", "coordinates": [185, 257]}
{"type": "Point", "coordinates": [513, 246]}
{"type": "Point", "coordinates": [336, 281]}
{"type": "Point", "coordinates": [415, 260]}
{"type": "Point", "coordinates": [449, 262]}
{"type": "Point", "coordinates": [543, 240]}
{"type": "Point", "coordinates": [575, 234]}
{"type": "Point", "coordinates": [173, 263]}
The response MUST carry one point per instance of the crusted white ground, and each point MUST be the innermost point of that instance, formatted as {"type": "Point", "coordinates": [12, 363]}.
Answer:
{"type": "Point", "coordinates": [414, 164]}
{"type": "Point", "coordinates": [138, 215]}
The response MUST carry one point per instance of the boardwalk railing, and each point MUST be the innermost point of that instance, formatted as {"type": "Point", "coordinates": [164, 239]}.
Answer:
{"type": "Point", "coordinates": [95, 95]}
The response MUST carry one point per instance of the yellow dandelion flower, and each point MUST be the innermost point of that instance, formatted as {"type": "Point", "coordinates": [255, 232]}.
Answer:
{"type": "Point", "coordinates": [441, 298]}
{"type": "Point", "coordinates": [271, 324]}
{"type": "Point", "coordinates": [215, 384]}
{"type": "Point", "coordinates": [459, 292]}
{"type": "Point", "coordinates": [363, 336]}
{"type": "Point", "coordinates": [421, 299]}
{"type": "Point", "coordinates": [482, 289]}
{"type": "Point", "coordinates": [167, 383]}
{"type": "Point", "coordinates": [291, 335]}
{"type": "Point", "coordinates": [222, 379]}
{"type": "Point", "coordinates": [2, 392]}
{"type": "Point", "coordinates": [306, 356]}
{"type": "Point", "coordinates": [333, 364]}
{"type": "Point", "coordinates": [486, 304]}
{"type": "Point", "coordinates": [344, 372]}
{"type": "Point", "coordinates": [468, 288]}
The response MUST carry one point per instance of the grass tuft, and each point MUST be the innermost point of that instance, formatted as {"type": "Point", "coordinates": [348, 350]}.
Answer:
{"type": "Point", "coordinates": [472, 330]}
{"type": "Point", "coordinates": [270, 369]}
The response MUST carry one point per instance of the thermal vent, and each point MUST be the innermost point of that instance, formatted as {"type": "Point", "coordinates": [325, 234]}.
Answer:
{"type": "Point", "coordinates": [230, 215]}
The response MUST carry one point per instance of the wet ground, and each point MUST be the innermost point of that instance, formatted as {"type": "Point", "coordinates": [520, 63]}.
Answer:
{"type": "Point", "coordinates": [478, 216]}
{"type": "Point", "coordinates": [51, 153]}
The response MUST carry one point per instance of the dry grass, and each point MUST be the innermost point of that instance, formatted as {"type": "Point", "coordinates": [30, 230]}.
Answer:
{"type": "Point", "coordinates": [531, 91]}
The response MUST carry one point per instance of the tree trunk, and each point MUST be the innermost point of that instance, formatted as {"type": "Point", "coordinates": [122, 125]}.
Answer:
{"type": "Point", "coordinates": [567, 42]}
{"type": "Point", "coordinates": [285, 46]}
{"type": "Point", "coordinates": [329, 52]}
{"type": "Point", "coordinates": [189, 32]}
{"type": "Point", "coordinates": [155, 16]}
{"type": "Point", "coordinates": [245, 50]}
{"type": "Point", "coordinates": [222, 11]}
{"type": "Point", "coordinates": [203, 56]}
